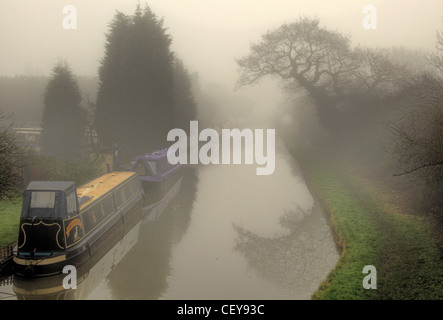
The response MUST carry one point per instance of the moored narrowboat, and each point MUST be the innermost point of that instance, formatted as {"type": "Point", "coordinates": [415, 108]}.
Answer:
{"type": "Point", "coordinates": [156, 174]}
{"type": "Point", "coordinates": [63, 225]}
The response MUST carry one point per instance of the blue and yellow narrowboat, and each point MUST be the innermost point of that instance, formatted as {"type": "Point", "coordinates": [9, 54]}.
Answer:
{"type": "Point", "coordinates": [61, 224]}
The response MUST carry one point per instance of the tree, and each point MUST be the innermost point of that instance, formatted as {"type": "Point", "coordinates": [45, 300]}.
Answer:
{"type": "Point", "coordinates": [135, 99]}
{"type": "Point", "coordinates": [419, 133]}
{"type": "Point", "coordinates": [303, 55]}
{"type": "Point", "coordinates": [418, 144]}
{"type": "Point", "coordinates": [377, 75]}
{"type": "Point", "coordinates": [63, 120]}
{"type": "Point", "coordinates": [185, 108]}
{"type": "Point", "coordinates": [11, 180]}
{"type": "Point", "coordinates": [436, 59]}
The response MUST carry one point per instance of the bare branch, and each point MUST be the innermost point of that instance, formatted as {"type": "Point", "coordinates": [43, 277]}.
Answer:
{"type": "Point", "coordinates": [419, 168]}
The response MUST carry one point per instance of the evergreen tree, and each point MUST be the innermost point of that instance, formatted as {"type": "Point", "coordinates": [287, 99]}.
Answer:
{"type": "Point", "coordinates": [185, 106]}
{"type": "Point", "coordinates": [63, 120]}
{"type": "Point", "coordinates": [135, 101]}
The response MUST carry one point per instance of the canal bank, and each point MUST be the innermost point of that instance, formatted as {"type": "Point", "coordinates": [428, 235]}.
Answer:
{"type": "Point", "coordinates": [370, 229]}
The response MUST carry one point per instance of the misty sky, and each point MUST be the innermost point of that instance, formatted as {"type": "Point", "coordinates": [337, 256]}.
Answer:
{"type": "Point", "coordinates": [207, 34]}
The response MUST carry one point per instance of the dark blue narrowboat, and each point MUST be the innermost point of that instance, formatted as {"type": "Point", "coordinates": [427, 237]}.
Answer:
{"type": "Point", "coordinates": [61, 224]}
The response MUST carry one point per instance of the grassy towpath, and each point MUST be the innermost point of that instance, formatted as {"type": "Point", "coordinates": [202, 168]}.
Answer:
{"type": "Point", "coordinates": [371, 229]}
{"type": "Point", "coordinates": [9, 221]}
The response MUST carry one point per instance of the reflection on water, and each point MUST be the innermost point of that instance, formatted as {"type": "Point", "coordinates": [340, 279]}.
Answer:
{"type": "Point", "coordinates": [296, 260]}
{"type": "Point", "coordinates": [279, 248]}
{"type": "Point", "coordinates": [144, 271]}
{"type": "Point", "coordinates": [225, 234]}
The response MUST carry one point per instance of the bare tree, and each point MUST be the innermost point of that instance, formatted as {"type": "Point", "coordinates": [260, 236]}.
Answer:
{"type": "Point", "coordinates": [300, 54]}
{"type": "Point", "coordinates": [94, 140]}
{"type": "Point", "coordinates": [436, 59]}
{"type": "Point", "coordinates": [377, 74]}
{"type": "Point", "coordinates": [303, 55]}
{"type": "Point", "coordinates": [419, 133]}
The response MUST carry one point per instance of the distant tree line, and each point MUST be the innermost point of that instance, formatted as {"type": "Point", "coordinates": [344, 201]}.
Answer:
{"type": "Point", "coordinates": [21, 96]}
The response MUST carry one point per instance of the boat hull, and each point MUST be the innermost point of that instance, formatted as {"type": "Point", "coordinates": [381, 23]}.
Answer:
{"type": "Point", "coordinates": [155, 189]}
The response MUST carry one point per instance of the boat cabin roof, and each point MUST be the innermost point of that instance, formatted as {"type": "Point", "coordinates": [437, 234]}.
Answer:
{"type": "Point", "coordinates": [94, 189]}
{"type": "Point", "coordinates": [64, 186]}
{"type": "Point", "coordinates": [154, 155]}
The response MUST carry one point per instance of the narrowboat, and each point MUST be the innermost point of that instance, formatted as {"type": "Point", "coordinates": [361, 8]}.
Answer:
{"type": "Point", "coordinates": [63, 225]}
{"type": "Point", "coordinates": [156, 174]}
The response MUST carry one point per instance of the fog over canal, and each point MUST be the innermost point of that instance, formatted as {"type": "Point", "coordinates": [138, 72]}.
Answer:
{"type": "Point", "coordinates": [357, 81]}
{"type": "Point", "coordinates": [243, 240]}
{"type": "Point", "coordinates": [228, 234]}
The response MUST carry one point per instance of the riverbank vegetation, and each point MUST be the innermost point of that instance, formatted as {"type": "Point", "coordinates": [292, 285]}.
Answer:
{"type": "Point", "coordinates": [9, 220]}
{"type": "Point", "coordinates": [373, 227]}
{"type": "Point", "coordinates": [366, 127]}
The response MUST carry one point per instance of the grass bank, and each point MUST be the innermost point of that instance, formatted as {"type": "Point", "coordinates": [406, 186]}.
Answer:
{"type": "Point", "coordinates": [9, 220]}
{"type": "Point", "coordinates": [370, 230]}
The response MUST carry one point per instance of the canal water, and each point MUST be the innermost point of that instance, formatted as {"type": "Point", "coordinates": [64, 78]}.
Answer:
{"type": "Point", "coordinates": [226, 233]}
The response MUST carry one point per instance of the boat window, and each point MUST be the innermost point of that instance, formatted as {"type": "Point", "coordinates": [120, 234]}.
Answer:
{"type": "Point", "coordinates": [123, 195]}
{"type": "Point", "coordinates": [42, 204]}
{"type": "Point", "coordinates": [126, 192]}
{"type": "Point", "coordinates": [119, 197]}
{"type": "Point", "coordinates": [135, 185]}
{"type": "Point", "coordinates": [153, 166]}
{"type": "Point", "coordinates": [140, 169]}
{"type": "Point", "coordinates": [108, 205]}
{"type": "Point", "coordinates": [131, 187]}
{"type": "Point", "coordinates": [71, 202]}
{"type": "Point", "coordinates": [43, 199]}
